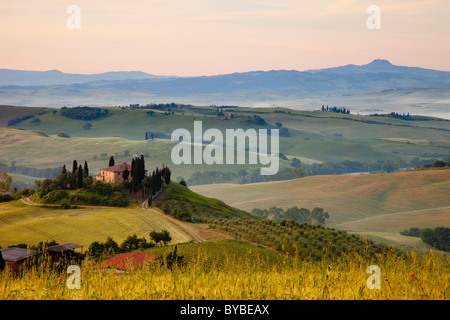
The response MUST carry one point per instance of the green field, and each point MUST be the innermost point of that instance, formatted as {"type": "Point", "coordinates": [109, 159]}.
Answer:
{"type": "Point", "coordinates": [382, 203]}
{"type": "Point", "coordinates": [319, 136]}
{"type": "Point", "coordinates": [21, 223]}
{"type": "Point", "coordinates": [198, 206]}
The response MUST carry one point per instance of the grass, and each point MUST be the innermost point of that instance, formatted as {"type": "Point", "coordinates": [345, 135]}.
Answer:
{"type": "Point", "coordinates": [397, 240]}
{"type": "Point", "coordinates": [51, 152]}
{"type": "Point", "coordinates": [199, 206]}
{"type": "Point", "coordinates": [361, 203]}
{"type": "Point", "coordinates": [331, 136]}
{"type": "Point", "coordinates": [230, 270]}
{"type": "Point", "coordinates": [28, 224]}
{"type": "Point", "coordinates": [8, 113]}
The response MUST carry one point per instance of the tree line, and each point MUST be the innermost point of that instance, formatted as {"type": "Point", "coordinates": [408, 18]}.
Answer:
{"type": "Point", "coordinates": [439, 236]}
{"type": "Point", "coordinates": [83, 113]}
{"type": "Point", "coordinates": [300, 215]}
{"type": "Point", "coordinates": [300, 170]}
{"type": "Point", "coordinates": [28, 171]}
{"type": "Point", "coordinates": [336, 109]}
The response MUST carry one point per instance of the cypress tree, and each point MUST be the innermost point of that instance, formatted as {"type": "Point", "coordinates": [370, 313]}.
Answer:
{"type": "Point", "coordinates": [80, 177]}
{"type": "Point", "coordinates": [74, 166]}
{"type": "Point", "coordinates": [125, 175]}
{"type": "Point", "coordinates": [111, 161]}
{"type": "Point", "coordinates": [85, 170]}
{"type": "Point", "coordinates": [64, 169]}
{"type": "Point", "coordinates": [134, 175]}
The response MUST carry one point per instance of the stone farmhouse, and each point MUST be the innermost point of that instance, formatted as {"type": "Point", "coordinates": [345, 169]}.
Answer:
{"type": "Point", "coordinates": [114, 174]}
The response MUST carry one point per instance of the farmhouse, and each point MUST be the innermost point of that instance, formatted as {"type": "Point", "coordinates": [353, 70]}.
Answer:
{"type": "Point", "coordinates": [114, 174]}
{"type": "Point", "coordinates": [17, 258]}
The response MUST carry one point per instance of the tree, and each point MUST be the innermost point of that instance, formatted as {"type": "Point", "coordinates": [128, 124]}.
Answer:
{"type": "Point", "coordinates": [150, 200]}
{"type": "Point", "coordinates": [111, 161]}
{"type": "Point", "coordinates": [80, 177]}
{"type": "Point", "coordinates": [85, 170]}
{"type": "Point", "coordinates": [5, 181]}
{"type": "Point", "coordinates": [74, 166]}
{"type": "Point", "coordinates": [166, 173]}
{"type": "Point", "coordinates": [110, 246]}
{"type": "Point", "coordinates": [64, 169]}
{"type": "Point", "coordinates": [125, 175]}
{"type": "Point", "coordinates": [163, 236]}
{"type": "Point", "coordinates": [35, 120]}
{"type": "Point", "coordinates": [296, 163]}
{"type": "Point", "coordinates": [319, 215]}
{"type": "Point", "coordinates": [87, 126]}
{"type": "Point", "coordinates": [173, 258]}
{"type": "Point", "coordinates": [389, 166]}
{"type": "Point", "coordinates": [278, 125]}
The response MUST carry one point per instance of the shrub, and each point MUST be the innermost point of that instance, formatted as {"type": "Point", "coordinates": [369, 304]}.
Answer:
{"type": "Point", "coordinates": [54, 196]}
{"type": "Point", "coordinates": [6, 198]}
{"type": "Point", "coordinates": [179, 214]}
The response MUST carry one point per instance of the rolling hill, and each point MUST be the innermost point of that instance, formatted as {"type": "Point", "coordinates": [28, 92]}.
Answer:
{"type": "Point", "coordinates": [377, 203]}
{"type": "Point", "coordinates": [378, 84]}
{"type": "Point", "coordinates": [21, 223]}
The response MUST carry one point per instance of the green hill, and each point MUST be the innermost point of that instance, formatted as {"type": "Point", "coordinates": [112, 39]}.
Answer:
{"type": "Point", "coordinates": [311, 136]}
{"type": "Point", "coordinates": [198, 206]}
{"type": "Point", "coordinates": [381, 205]}
{"type": "Point", "coordinates": [21, 223]}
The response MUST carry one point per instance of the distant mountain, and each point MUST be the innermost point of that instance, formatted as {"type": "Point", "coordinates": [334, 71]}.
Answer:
{"type": "Point", "coordinates": [376, 76]}
{"type": "Point", "coordinates": [55, 77]}
{"type": "Point", "coordinates": [364, 84]}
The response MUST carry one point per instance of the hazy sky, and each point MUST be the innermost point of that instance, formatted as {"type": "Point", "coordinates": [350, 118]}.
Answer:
{"type": "Point", "coordinates": [205, 37]}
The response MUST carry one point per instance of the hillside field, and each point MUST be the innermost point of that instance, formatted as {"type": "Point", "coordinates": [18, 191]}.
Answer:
{"type": "Point", "coordinates": [374, 203]}
{"type": "Point", "coordinates": [21, 223]}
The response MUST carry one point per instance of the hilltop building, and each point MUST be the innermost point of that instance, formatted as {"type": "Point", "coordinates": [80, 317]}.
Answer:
{"type": "Point", "coordinates": [114, 174]}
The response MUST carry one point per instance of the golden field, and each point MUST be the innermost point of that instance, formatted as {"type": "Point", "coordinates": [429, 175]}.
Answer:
{"type": "Point", "coordinates": [245, 276]}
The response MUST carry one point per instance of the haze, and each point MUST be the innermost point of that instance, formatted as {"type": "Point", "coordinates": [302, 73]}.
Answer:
{"type": "Point", "coordinates": [207, 37]}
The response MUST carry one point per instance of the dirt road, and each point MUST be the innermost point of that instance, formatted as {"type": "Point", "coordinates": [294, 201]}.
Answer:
{"type": "Point", "coordinates": [183, 226]}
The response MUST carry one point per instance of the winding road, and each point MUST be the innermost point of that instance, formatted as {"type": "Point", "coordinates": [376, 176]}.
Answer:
{"type": "Point", "coordinates": [182, 225]}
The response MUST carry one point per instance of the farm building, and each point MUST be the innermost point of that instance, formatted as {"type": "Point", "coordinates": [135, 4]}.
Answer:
{"type": "Point", "coordinates": [17, 258]}
{"type": "Point", "coordinates": [128, 261]}
{"type": "Point", "coordinates": [65, 251]}
{"type": "Point", "coordinates": [114, 174]}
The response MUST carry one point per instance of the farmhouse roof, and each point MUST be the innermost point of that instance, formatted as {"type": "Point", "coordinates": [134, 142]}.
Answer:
{"type": "Point", "coordinates": [127, 260]}
{"type": "Point", "coordinates": [118, 167]}
{"type": "Point", "coordinates": [63, 247]}
{"type": "Point", "coordinates": [15, 254]}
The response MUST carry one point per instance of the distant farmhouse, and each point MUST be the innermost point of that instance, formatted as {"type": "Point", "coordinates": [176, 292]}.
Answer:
{"type": "Point", "coordinates": [114, 174]}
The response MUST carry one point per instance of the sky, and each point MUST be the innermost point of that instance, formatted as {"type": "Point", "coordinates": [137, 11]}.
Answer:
{"type": "Point", "coordinates": [209, 37]}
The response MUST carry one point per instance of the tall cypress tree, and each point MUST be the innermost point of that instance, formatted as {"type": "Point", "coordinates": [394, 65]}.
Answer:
{"type": "Point", "coordinates": [80, 177]}
{"type": "Point", "coordinates": [134, 175]}
{"type": "Point", "coordinates": [85, 170]}
{"type": "Point", "coordinates": [64, 169]}
{"type": "Point", "coordinates": [74, 166]}
{"type": "Point", "coordinates": [111, 161]}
